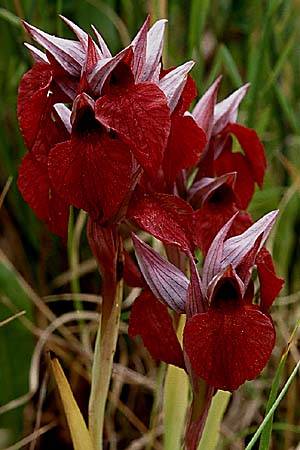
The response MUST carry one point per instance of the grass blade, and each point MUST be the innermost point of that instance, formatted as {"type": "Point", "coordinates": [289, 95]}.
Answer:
{"type": "Point", "coordinates": [273, 408]}
{"type": "Point", "coordinates": [80, 436]}
{"type": "Point", "coordinates": [267, 431]}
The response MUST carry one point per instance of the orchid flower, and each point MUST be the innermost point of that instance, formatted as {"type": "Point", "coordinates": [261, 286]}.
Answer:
{"type": "Point", "coordinates": [89, 118]}
{"type": "Point", "coordinates": [228, 338]}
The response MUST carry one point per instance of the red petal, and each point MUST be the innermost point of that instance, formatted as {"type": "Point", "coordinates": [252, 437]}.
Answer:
{"type": "Point", "coordinates": [209, 220]}
{"type": "Point", "coordinates": [139, 113]}
{"type": "Point", "coordinates": [226, 348]}
{"type": "Point", "coordinates": [166, 217]}
{"type": "Point", "coordinates": [34, 185]}
{"type": "Point", "coordinates": [132, 274]}
{"type": "Point", "coordinates": [189, 94]}
{"type": "Point", "coordinates": [244, 185]}
{"type": "Point", "coordinates": [35, 104]}
{"type": "Point", "coordinates": [150, 319]}
{"type": "Point", "coordinates": [92, 171]}
{"type": "Point", "coordinates": [253, 148]}
{"type": "Point", "coordinates": [186, 141]}
{"type": "Point", "coordinates": [270, 284]}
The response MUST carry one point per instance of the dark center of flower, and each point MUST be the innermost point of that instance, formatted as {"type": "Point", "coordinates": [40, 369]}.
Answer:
{"type": "Point", "coordinates": [226, 295]}
{"type": "Point", "coordinates": [86, 122]}
{"type": "Point", "coordinates": [223, 194]}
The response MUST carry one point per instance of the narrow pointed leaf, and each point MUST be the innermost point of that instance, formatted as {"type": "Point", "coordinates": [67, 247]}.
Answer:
{"type": "Point", "coordinates": [80, 435]}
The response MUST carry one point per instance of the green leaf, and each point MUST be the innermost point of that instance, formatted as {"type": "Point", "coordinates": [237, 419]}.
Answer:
{"type": "Point", "coordinates": [175, 405]}
{"type": "Point", "coordinates": [230, 66]}
{"type": "Point", "coordinates": [16, 348]}
{"type": "Point", "coordinates": [211, 432]}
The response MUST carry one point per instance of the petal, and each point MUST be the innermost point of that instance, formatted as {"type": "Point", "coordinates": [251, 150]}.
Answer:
{"type": "Point", "coordinates": [92, 171]}
{"type": "Point", "coordinates": [209, 220]}
{"type": "Point", "coordinates": [33, 100]}
{"type": "Point", "coordinates": [139, 45]}
{"type": "Point", "coordinates": [36, 54]}
{"type": "Point", "coordinates": [270, 284]}
{"type": "Point", "coordinates": [186, 141]}
{"type": "Point", "coordinates": [69, 54]}
{"type": "Point", "coordinates": [150, 319]}
{"type": "Point", "coordinates": [237, 247]}
{"type": "Point", "coordinates": [164, 279]}
{"type": "Point", "coordinates": [102, 44]}
{"type": "Point", "coordinates": [227, 110]}
{"type": "Point", "coordinates": [36, 98]}
{"type": "Point", "coordinates": [226, 348]}
{"type": "Point", "coordinates": [213, 259]}
{"type": "Point", "coordinates": [172, 84]}
{"type": "Point", "coordinates": [166, 217]}
{"type": "Point", "coordinates": [244, 185]}
{"type": "Point", "coordinates": [203, 111]}
{"type": "Point", "coordinates": [139, 113]}
{"type": "Point", "coordinates": [83, 37]}
{"type": "Point", "coordinates": [188, 94]}
{"type": "Point", "coordinates": [253, 148]}
{"type": "Point", "coordinates": [201, 190]}
{"type": "Point", "coordinates": [132, 274]}
{"type": "Point", "coordinates": [34, 185]}
{"type": "Point", "coordinates": [196, 303]}
{"type": "Point", "coordinates": [154, 49]}
{"type": "Point", "coordinates": [103, 69]}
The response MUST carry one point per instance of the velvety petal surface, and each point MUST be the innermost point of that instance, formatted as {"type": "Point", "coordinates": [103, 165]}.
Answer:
{"type": "Point", "coordinates": [92, 171]}
{"type": "Point", "coordinates": [150, 319]}
{"type": "Point", "coordinates": [244, 184]}
{"type": "Point", "coordinates": [166, 217]}
{"type": "Point", "coordinates": [139, 113]}
{"type": "Point", "coordinates": [253, 148]}
{"type": "Point", "coordinates": [270, 284]}
{"type": "Point", "coordinates": [186, 141]}
{"type": "Point", "coordinates": [226, 348]}
{"type": "Point", "coordinates": [34, 185]}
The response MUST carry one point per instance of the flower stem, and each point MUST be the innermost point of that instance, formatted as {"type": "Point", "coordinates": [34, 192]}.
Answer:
{"type": "Point", "coordinates": [211, 432]}
{"type": "Point", "coordinates": [106, 341]}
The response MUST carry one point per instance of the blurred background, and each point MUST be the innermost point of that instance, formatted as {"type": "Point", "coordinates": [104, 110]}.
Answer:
{"type": "Point", "coordinates": [245, 40]}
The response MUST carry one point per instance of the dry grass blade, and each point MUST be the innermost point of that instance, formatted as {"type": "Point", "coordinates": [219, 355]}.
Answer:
{"type": "Point", "coordinates": [5, 190]}
{"type": "Point", "coordinates": [11, 318]}
{"type": "Point", "coordinates": [80, 435]}
{"type": "Point", "coordinates": [25, 441]}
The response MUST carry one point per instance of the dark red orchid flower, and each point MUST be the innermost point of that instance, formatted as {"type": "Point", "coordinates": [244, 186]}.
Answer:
{"type": "Point", "coordinates": [219, 121]}
{"type": "Point", "coordinates": [215, 202]}
{"type": "Point", "coordinates": [227, 338]}
{"type": "Point", "coordinates": [116, 108]}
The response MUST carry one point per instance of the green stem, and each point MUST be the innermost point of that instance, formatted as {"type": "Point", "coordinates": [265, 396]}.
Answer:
{"type": "Point", "coordinates": [105, 348]}
{"type": "Point", "coordinates": [211, 432]}
{"type": "Point", "coordinates": [176, 393]}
